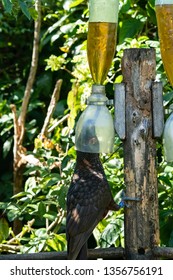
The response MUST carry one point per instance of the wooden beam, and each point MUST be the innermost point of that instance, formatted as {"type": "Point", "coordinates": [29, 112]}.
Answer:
{"type": "Point", "coordinates": [106, 254]}
{"type": "Point", "coordinates": [93, 254]}
{"type": "Point", "coordinates": [163, 252]}
{"type": "Point", "coordinates": [141, 215]}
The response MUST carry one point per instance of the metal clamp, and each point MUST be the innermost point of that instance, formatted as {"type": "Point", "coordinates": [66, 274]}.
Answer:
{"type": "Point", "coordinates": [126, 198]}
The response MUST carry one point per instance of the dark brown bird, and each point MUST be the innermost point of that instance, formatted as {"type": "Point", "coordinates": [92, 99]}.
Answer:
{"type": "Point", "coordinates": [88, 200]}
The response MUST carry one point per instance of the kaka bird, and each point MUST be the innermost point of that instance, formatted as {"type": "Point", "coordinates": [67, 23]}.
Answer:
{"type": "Point", "coordinates": [89, 199]}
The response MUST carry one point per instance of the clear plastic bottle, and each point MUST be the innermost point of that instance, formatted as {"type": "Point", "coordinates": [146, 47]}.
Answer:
{"type": "Point", "coordinates": [164, 14]}
{"type": "Point", "coordinates": [168, 139]}
{"type": "Point", "coordinates": [102, 35]}
{"type": "Point", "coordinates": [95, 127]}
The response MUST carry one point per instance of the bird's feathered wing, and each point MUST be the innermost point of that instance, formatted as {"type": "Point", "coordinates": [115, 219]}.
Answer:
{"type": "Point", "coordinates": [88, 201]}
{"type": "Point", "coordinates": [83, 218]}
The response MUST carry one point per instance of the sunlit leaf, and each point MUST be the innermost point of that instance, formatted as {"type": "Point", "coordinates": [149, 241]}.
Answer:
{"type": "Point", "coordinates": [53, 244]}
{"type": "Point", "coordinates": [76, 3]}
{"type": "Point", "coordinates": [7, 146]}
{"type": "Point", "coordinates": [4, 229]}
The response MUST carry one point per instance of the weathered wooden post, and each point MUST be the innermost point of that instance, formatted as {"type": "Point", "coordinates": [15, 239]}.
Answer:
{"type": "Point", "coordinates": [143, 112]}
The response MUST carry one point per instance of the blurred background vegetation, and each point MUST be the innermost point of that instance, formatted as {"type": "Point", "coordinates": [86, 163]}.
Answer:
{"type": "Point", "coordinates": [40, 205]}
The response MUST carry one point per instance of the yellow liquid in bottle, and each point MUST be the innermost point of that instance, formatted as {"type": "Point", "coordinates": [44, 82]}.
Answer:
{"type": "Point", "coordinates": [101, 45]}
{"type": "Point", "coordinates": [164, 15]}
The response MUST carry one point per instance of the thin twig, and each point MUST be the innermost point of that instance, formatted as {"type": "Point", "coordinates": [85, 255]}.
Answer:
{"type": "Point", "coordinates": [58, 123]}
{"type": "Point", "coordinates": [17, 237]}
{"type": "Point", "coordinates": [51, 108]}
{"type": "Point", "coordinates": [120, 146]}
{"type": "Point", "coordinates": [57, 220]}
{"type": "Point", "coordinates": [9, 248]}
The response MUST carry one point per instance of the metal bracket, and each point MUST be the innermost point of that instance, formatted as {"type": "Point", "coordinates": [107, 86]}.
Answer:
{"type": "Point", "coordinates": [126, 198]}
{"type": "Point", "coordinates": [119, 104]}
{"type": "Point", "coordinates": [157, 106]}
{"type": "Point", "coordinates": [157, 109]}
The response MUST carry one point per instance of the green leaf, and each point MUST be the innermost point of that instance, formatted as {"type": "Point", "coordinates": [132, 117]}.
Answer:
{"type": "Point", "coordinates": [60, 239]}
{"type": "Point", "coordinates": [33, 13]}
{"type": "Point", "coordinates": [166, 180]}
{"type": "Point", "coordinates": [129, 28]}
{"type": "Point", "coordinates": [24, 9]}
{"type": "Point", "coordinates": [41, 233]}
{"type": "Point", "coordinates": [58, 243]}
{"type": "Point", "coordinates": [7, 5]}
{"type": "Point", "coordinates": [50, 216]}
{"type": "Point", "coordinates": [3, 205]}
{"type": "Point", "coordinates": [167, 97]}
{"type": "Point", "coordinates": [4, 229]}
{"type": "Point", "coordinates": [21, 194]}
{"type": "Point", "coordinates": [52, 244]}
{"type": "Point", "coordinates": [125, 7]}
{"type": "Point", "coordinates": [7, 146]}
{"type": "Point", "coordinates": [62, 196]}
{"type": "Point", "coordinates": [109, 235]}
{"type": "Point", "coordinates": [76, 3]}
{"type": "Point", "coordinates": [53, 181]}
{"type": "Point", "coordinates": [12, 214]}
{"type": "Point", "coordinates": [55, 63]}
{"type": "Point", "coordinates": [41, 209]}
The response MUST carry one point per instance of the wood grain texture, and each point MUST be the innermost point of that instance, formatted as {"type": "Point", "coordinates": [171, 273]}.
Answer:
{"type": "Point", "coordinates": [141, 217]}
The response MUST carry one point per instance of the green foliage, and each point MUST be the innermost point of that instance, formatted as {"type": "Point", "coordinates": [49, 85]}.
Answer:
{"type": "Point", "coordinates": [110, 231]}
{"type": "Point", "coordinates": [41, 206]}
{"type": "Point", "coordinates": [41, 240]}
{"type": "Point", "coordinates": [4, 229]}
{"type": "Point", "coordinates": [14, 6]}
{"type": "Point", "coordinates": [43, 199]}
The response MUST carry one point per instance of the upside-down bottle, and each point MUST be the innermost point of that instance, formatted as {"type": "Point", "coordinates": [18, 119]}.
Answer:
{"type": "Point", "coordinates": [95, 127]}
{"type": "Point", "coordinates": [102, 34]}
{"type": "Point", "coordinates": [164, 14]}
{"type": "Point", "coordinates": [168, 139]}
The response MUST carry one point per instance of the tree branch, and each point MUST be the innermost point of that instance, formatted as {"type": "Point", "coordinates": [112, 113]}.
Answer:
{"type": "Point", "coordinates": [16, 238]}
{"type": "Point", "coordinates": [51, 108]}
{"type": "Point", "coordinates": [9, 248]}
{"type": "Point", "coordinates": [19, 123]}
{"type": "Point", "coordinates": [57, 220]}
{"type": "Point", "coordinates": [18, 152]}
{"type": "Point", "coordinates": [16, 132]}
{"type": "Point", "coordinates": [32, 74]}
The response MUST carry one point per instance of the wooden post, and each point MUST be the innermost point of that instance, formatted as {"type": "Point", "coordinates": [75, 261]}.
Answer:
{"type": "Point", "coordinates": [141, 213]}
